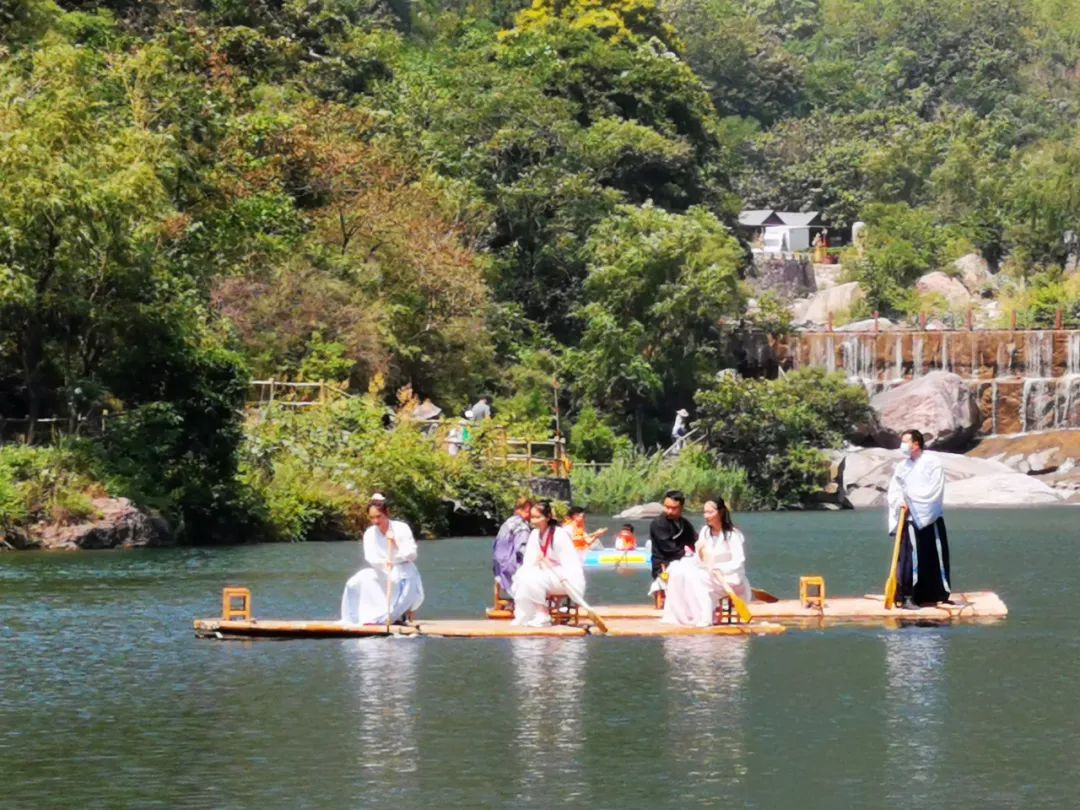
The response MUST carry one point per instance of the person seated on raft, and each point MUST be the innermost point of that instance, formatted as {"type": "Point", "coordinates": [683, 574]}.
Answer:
{"type": "Point", "coordinates": [695, 583]}
{"type": "Point", "coordinates": [626, 540]}
{"type": "Point", "coordinates": [575, 525]}
{"type": "Point", "coordinates": [390, 550]}
{"type": "Point", "coordinates": [670, 535]}
{"type": "Point", "coordinates": [508, 551]}
{"type": "Point", "coordinates": [550, 558]}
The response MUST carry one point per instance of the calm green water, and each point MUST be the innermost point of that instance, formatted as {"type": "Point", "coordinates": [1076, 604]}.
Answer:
{"type": "Point", "coordinates": [108, 700]}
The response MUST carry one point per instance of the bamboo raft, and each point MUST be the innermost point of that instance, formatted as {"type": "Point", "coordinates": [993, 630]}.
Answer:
{"type": "Point", "coordinates": [463, 628]}
{"type": "Point", "coordinates": [974, 606]}
{"type": "Point", "coordinates": [637, 621]}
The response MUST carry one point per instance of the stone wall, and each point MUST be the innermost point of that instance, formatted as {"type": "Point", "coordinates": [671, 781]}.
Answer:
{"type": "Point", "coordinates": [1023, 380]}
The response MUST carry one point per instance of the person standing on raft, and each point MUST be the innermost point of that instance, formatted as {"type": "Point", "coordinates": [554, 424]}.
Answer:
{"type": "Point", "coordinates": [550, 558]}
{"type": "Point", "coordinates": [694, 586]}
{"type": "Point", "coordinates": [390, 550]}
{"type": "Point", "coordinates": [508, 551]}
{"type": "Point", "coordinates": [918, 482]}
{"type": "Point", "coordinates": [671, 535]}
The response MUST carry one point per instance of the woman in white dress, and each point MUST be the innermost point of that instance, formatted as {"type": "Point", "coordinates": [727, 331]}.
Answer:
{"type": "Point", "coordinates": [694, 583]}
{"type": "Point", "coordinates": [390, 550]}
{"type": "Point", "coordinates": [550, 557]}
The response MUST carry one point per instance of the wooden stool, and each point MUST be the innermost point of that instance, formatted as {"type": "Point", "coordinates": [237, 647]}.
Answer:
{"type": "Point", "coordinates": [815, 599]}
{"type": "Point", "coordinates": [724, 612]}
{"type": "Point", "coordinates": [500, 599]}
{"type": "Point", "coordinates": [230, 613]}
{"type": "Point", "coordinates": [562, 609]}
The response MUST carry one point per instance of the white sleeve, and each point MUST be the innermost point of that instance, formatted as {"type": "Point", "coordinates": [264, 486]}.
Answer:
{"type": "Point", "coordinates": [404, 543]}
{"type": "Point", "coordinates": [736, 544]}
{"type": "Point", "coordinates": [701, 547]}
{"type": "Point", "coordinates": [895, 499]}
{"type": "Point", "coordinates": [532, 549]}
{"type": "Point", "coordinates": [373, 551]}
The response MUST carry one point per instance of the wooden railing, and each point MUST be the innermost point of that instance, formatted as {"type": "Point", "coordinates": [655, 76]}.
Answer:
{"type": "Point", "coordinates": [294, 394]}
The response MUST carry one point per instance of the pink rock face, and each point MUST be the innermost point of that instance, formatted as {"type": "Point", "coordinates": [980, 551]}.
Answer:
{"type": "Point", "coordinates": [937, 282]}
{"type": "Point", "coordinates": [939, 404]}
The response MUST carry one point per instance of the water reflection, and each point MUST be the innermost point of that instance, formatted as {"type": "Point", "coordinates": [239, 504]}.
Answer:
{"type": "Point", "coordinates": [914, 706]}
{"type": "Point", "coordinates": [549, 680]}
{"type": "Point", "coordinates": [707, 721]}
{"type": "Point", "coordinates": [383, 675]}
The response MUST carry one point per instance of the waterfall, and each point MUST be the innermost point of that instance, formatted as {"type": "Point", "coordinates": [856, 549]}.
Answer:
{"type": "Point", "coordinates": [1024, 380]}
{"type": "Point", "coordinates": [993, 407]}
{"type": "Point", "coordinates": [1072, 354]}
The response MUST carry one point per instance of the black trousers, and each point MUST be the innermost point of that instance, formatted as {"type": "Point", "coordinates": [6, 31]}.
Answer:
{"type": "Point", "coordinates": [922, 571]}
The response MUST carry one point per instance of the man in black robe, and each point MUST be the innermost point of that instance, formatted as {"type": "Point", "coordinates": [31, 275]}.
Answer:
{"type": "Point", "coordinates": [671, 534]}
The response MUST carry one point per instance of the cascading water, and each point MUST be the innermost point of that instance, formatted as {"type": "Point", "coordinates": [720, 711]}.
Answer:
{"type": "Point", "coordinates": [1024, 380]}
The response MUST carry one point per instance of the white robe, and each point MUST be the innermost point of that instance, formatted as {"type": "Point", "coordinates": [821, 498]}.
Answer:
{"type": "Point", "coordinates": [693, 586]}
{"type": "Point", "coordinates": [535, 580]}
{"type": "Point", "coordinates": [921, 485]}
{"type": "Point", "coordinates": [364, 600]}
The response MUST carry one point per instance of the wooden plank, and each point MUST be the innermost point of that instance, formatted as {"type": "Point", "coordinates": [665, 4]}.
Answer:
{"type": "Point", "coordinates": [483, 628]}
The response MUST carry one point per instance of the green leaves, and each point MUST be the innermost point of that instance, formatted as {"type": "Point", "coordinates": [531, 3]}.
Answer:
{"type": "Point", "coordinates": [775, 428]}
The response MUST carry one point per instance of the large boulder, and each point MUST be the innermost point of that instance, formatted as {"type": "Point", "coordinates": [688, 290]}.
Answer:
{"type": "Point", "coordinates": [974, 272]}
{"type": "Point", "coordinates": [1002, 489]}
{"type": "Point", "coordinates": [949, 288]}
{"type": "Point", "coordinates": [645, 511]}
{"type": "Point", "coordinates": [938, 404]}
{"type": "Point", "coordinates": [836, 299]}
{"type": "Point", "coordinates": [116, 524]}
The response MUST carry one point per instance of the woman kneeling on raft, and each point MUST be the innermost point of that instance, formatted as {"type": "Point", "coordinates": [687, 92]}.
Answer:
{"type": "Point", "coordinates": [550, 558]}
{"type": "Point", "coordinates": [694, 587]}
{"type": "Point", "coordinates": [392, 583]}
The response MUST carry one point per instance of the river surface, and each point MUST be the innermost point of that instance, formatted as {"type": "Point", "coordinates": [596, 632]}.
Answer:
{"type": "Point", "coordinates": [107, 699]}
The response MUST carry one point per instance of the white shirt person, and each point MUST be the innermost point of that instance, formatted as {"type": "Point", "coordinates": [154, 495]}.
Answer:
{"type": "Point", "coordinates": [550, 557]}
{"type": "Point", "coordinates": [390, 550]}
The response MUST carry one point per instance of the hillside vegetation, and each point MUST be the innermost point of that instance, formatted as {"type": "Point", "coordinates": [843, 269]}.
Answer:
{"type": "Point", "coordinates": [479, 197]}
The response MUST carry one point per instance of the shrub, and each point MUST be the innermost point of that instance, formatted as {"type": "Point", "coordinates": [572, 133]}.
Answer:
{"type": "Point", "coordinates": [635, 478]}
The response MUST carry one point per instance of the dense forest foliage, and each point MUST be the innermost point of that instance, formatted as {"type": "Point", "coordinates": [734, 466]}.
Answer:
{"type": "Point", "coordinates": [476, 197]}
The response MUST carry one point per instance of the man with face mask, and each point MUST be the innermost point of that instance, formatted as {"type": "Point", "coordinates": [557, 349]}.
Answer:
{"type": "Point", "coordinates": [918, 482]}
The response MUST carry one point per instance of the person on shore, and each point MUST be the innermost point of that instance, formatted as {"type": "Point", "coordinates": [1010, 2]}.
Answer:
{"type": "Point", "coordinates": [575, 524]}
{"type": "Point", "coordinates": [550, 558]}
{"type": "Point", "coordinates": [626, 540]}
{"type": "Point", "coordinates": [482, 409]}
{"type": "Point", "coordinates": [680, 429]}
{"type": "Point", "coordinates": [508, 551]}
{"type": "Point", "coordinates": [918, 482]}
{"type": "Point", "coordinates": [695, 582]}
{"type": "Point", "coordinates": [390, 550]}
{"type": "Point", "coordinates": [670, 536]}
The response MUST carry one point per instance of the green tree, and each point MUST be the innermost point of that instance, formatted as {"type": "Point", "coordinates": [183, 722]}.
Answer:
{"type": "Point", "coordinates": [658, 290]}
{"type": "Point", "coordinates": [774, 429]}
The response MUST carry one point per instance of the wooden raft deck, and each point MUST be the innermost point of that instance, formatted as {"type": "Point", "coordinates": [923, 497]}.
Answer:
{"type": "Point", "coordinates": [463, 628]}
{"type": "Point", "coordinates": [868, 609]}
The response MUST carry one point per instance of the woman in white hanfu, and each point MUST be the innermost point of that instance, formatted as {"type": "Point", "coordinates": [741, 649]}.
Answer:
{"type": "Point", "coordinates": [390, 550]}
{"type": "Point", "coordinates": [550, 557]}
{"type": "Point", "coordinates": [694, 586]}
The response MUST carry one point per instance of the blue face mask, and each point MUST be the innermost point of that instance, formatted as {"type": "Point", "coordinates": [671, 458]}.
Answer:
{"type": "Point", "coordinates": [905, 448]}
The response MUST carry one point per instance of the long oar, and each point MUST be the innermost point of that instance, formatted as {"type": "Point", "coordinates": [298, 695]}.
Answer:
{"type": "Point", "coordinates": [573, 593]}
{"type": "Point", "coordinates": [740, 606]}
{"type": "Point", "coordinates": [890, 583]}
{"type": "Point", "coordinates": [389, 579]}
